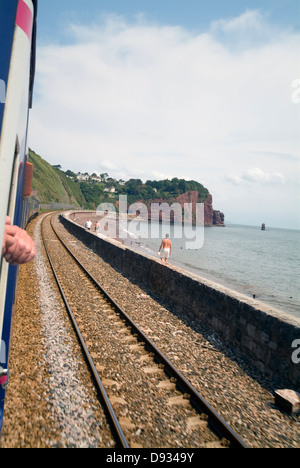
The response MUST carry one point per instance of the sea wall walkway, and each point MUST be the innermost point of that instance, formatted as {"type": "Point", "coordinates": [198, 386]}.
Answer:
{"type": "Point", "coordinates": [259, 334]}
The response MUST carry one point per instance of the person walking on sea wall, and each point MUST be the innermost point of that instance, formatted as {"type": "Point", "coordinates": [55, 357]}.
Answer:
{"type": "Point", "coordinates": [88, 225]}
{"type": "Point", "coordinates": [165, 249]}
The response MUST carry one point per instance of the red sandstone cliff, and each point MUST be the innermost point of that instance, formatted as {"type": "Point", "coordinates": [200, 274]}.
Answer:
{"type": "Point", "coordinates": [211, 216]}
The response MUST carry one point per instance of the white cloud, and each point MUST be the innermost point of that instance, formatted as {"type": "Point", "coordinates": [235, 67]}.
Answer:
{"type": "Point", "coordinates": [143, 100]}
{"type": "Point", "coordinates": [257, 176]}
{"type": "Point", "coordinates": [252, 21]}
{"type": "Point", "coordinates": [246, 31]}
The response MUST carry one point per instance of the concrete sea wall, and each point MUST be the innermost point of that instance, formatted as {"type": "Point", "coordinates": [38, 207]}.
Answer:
{"type": "Point", "coordinates": [259, 334]}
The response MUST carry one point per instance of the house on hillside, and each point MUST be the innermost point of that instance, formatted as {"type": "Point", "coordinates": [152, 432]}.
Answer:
{"type": "Point", "coordinates": [110, 190]}
{"type": "Point", "coordinates": [82, 177]}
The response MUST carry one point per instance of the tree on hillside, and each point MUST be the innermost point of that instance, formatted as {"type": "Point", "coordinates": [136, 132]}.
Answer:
{"type": "Point", "coordinates": [71, 174]}
{"type": "Point", "coordinates": [103, 176]}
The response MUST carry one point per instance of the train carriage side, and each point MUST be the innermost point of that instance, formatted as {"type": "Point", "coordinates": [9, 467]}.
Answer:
{"type": "Point", "coordinates": [17, 58]}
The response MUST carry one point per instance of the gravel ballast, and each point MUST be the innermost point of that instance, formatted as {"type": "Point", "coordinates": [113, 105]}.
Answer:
{"type": "Point", "coordinates": [51, 401]}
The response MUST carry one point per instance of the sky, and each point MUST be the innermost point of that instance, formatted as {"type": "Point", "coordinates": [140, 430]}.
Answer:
{"type": "Point", "coordinates": [194, 89]}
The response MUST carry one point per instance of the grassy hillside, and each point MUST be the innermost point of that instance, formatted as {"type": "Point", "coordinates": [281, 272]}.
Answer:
{"type": "Point", "coordinates": [52, 185]}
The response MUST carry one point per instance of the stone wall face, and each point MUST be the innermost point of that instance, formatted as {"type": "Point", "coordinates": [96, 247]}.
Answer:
{"type": "Point", "coordinates": [259, 334]}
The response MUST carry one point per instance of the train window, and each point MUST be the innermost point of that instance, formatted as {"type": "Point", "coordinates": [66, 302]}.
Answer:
{"type": "Point", "coordinates": [2, 352]}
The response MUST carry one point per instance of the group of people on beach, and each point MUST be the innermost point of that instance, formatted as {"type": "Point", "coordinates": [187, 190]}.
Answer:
{"type": "Point", "coordinates": [165, 249]}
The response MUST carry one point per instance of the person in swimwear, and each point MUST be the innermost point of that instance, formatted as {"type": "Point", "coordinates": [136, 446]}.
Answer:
{"type": "Point", "coordinates": [165, 249]}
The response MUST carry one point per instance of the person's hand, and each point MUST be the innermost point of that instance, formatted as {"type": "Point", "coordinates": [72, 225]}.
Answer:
{"type": "Point", "coordinates": [17, 247]}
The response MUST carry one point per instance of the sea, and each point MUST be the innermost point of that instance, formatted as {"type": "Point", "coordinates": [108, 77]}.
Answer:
{"type": "Point", "coordinates": [261, 264]}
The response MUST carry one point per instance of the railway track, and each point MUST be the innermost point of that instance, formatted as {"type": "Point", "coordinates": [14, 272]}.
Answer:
{"type": "Point", "coordinates": [123, 359]}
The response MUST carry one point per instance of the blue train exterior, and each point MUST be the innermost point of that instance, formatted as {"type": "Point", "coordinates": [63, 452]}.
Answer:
{"type": "Point", "coordinates": [17, 65]}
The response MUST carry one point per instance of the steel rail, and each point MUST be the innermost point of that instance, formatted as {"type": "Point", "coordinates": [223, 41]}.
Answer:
{"type": "Point", "coordinates": [197, 400]}
{"type": "Point", "coordinates": [119, 435]}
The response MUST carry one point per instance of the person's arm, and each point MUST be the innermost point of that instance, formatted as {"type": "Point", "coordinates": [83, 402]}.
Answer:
{"type": "Point", "coordinates": [17, 246]}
